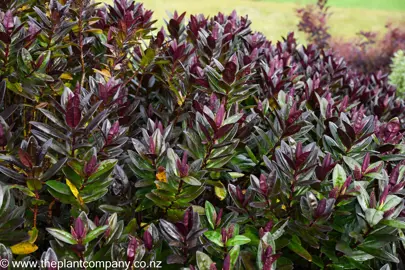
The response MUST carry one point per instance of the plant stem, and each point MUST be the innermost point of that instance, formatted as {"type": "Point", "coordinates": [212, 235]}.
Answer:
{"type": "Point", "coordinates": [81, 45]}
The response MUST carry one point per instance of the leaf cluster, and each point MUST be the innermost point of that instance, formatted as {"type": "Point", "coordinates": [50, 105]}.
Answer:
{"type": "Point", "coordinates": [202, 144]}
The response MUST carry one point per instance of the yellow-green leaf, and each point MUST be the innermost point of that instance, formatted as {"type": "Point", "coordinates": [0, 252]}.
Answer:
{"type": "Point", "coordinates": [25, 190]}
{"type": "Point", "coordinates": [103, 72]}
{"type": "Point", "coordinates": [66, 76]}
{"type": "Point", "coordinates": [220, 191]}
{"type": "Point", "coordinates": [23, 248]}
{"type": "Point", "coordinates": [34, 184]}
{"type": "Point", "coordinates": [94, 30]}
{"type": "Point", "coordinates": [33, 233]}
{"type": "Point", "coordinates": [72, 188]}
{"type": "Point", "coordinates": [75, 191]}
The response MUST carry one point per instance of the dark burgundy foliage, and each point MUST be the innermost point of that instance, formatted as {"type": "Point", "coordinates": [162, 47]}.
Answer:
{"type": "Point", "coordinates": [202, 145]}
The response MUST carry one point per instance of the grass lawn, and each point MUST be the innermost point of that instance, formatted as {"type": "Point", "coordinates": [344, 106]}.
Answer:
{"type": "Point", "coordinates": [393, 5]}
{"type": "Point", "coordinates": [275, 18]}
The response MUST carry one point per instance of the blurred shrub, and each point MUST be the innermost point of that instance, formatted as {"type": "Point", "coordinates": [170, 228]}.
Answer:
{"type": "Point", "coordinates": [202, 145]}
{"type": "Point", "coordinates": [397, 76]}
{"type": "Point", "coordinates": [314, 23]}
{"type": "Point", "coordinates": [369, 52]}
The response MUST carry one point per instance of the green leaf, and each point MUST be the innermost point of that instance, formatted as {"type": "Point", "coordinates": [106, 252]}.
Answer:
{"type": "Point", "coordinates": [399, 224]}
{"type": "Point", "coordinates": [237, 240]}
{"type": "Point", "coordinates": [70, 174]}
{"type": "Point", "coordinates": [66, 199]}
{"type": "Point", "coordinates": [380, 253]}
{"type": "Point", "coordinates": [280, 231]}
{"type": "Point", "coordinates": [192, 181]}
{"type": "Point", "coordinates": [220, 190]}
{"type": "Point", "coordinates": [203, 261]}
{"type": "Point", "coordinates": [23, 189]}
{"type": "Point", "coordinates": [110, 209]}
{"type": "Point", "coordinates": [233, 119]}
{"type": "Point", "coordinates": [33, 233]}
{"type": "Point", "coordinates": [211, 214]}
{"type": "Point", "coordinates": [351, 162]}
{"type": "Point", "coordinates": [251, 155]}
{"type": "Point", "coordinates": [379, 240]}
{"type": "Point", "coordinates": [34, 184]}
{"type": "Point", "coordinates": [344, 247]}
{"type": "Point", "coordinates": [318, 261]}
{"type": "Point", "coordinates": [253, 234]}
{"type": "Point", "coordinates": [295, 245]}
{"type": "Point", "coordinates": [338, 176]}
{"type": "Point", "coordinates": [214, 237]}
{"type": "Point", "coordinates": [390, 202]}
{"type": "Point", "coordinates": [363, 197]}
{"type": "Point", "coordinates": [236, 175]}
{"type": "Point", "coordinates": [373, 216]}
{"type": "Point", "coordinates": [95, 196]}
{"type": "Point", "coordinates": [234, 254]}
{"type": "Point", "coordinates": [46, 57]}
{"type": "Point", "coordinates": [171, 162]}
{"type": "Point", "coordinates": [94, 234]}
{"type": "Point", "coordinates": [62, 236]}
{"type": "Point", "coordinates": [104, 169]}
{"type": "Point", "coordinates": [158, 201]}
{"type": "Point", "coordinates": [26, 60]}
{"type": "Point", "coordinates": [59, 187]}
{"type": "Point", "coordinates": [148, 57]}
{"type": "Point", "coordinates": [360, 256]}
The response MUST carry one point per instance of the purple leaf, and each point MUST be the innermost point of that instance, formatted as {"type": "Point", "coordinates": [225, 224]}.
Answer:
{"type": "Point", "coordinates": [223, 131]}
{"type": "Point", "coordinates": [229, 72]}
{"type": "Point", "coordinates": [131, 249]}
{"type": "Point", "coordinates": [8, 21]}
{"type": "Point", "coordinates": [366, 163]}
{"type": "Point", "coordinates": [73, 113]}
{"type": "Point", "coordinates": [227, 263]}
{"type": "Point", "coordinates": [344, 138]}
{"type": "Point", "coordinates": [25, 158]}
{"type": "Point", "coordinates": [91, 166]}
{"type": "Point", "coordinates": [219, 118]}
{"type": "Point", "coordinates": [147, 240]}
{"type": "Point", "coordinates": [79, 228]}
{"type": "Point", "coordinates": [113, 132]}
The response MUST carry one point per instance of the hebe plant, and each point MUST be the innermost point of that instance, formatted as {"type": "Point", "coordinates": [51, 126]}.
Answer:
{"type": "Point", "coordinates": [202, 144]}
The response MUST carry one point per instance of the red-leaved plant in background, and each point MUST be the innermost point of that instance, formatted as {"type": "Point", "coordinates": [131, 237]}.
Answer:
{"type": "Point", "coordinates": [202, 145]}
{"type": "Point", "coordinates": [369, 52]}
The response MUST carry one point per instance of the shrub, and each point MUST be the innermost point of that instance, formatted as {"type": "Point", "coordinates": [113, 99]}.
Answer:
{"type": "Point", "coordinates": [370, 53]}
{"type": "Point", "coordinates": [367, 53]}
{"type": "Point", "coordinates": [313, 21]}
{"type": "Point", "coordinates": [397, 76]}
{"type": "Point", "coordinates": [202, 145]}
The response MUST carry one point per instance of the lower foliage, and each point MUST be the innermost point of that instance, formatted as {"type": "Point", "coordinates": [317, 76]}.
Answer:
{"type": "Point", "coordinates": [202, 145]}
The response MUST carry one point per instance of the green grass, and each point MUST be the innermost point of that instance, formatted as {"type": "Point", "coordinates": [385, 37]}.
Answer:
{"type": "Point", "coordinates": [393, 5]}
{"type": "Point", "coordinates": [275, 18]}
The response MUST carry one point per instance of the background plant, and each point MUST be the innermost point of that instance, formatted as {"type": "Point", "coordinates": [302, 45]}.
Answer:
{"type": "Point", "coordinates": [397, 76]}
{"type": "Point", "coordinates": [369, 52]}
{"type": "Point", "coordinates": [201, 144]}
